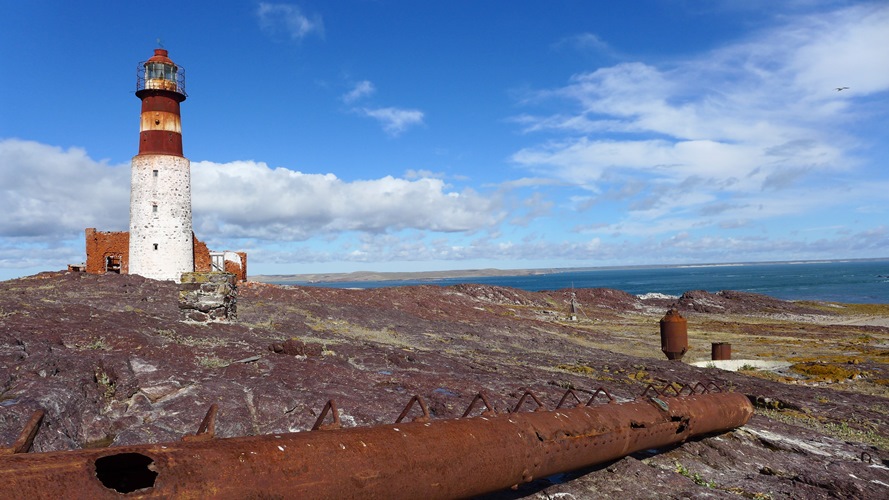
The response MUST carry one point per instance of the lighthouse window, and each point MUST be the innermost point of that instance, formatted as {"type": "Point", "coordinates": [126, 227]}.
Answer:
{"type": "Point", "coordinates": [154, 173]}
{"type": "Point", "coordinates": [155, 246]}
{"type": "Point", "coordinates": [154, 208]}
{"type": "Point", "coordinates": [155, 70]}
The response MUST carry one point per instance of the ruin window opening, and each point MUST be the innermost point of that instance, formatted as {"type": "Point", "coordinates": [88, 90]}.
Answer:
{"type": "Point", "coordinates": [154, 208]}
{"type": "Point", "coordinates": [112, 264]}
{"type": "Point", "coordinates": [154, 173]}
{"type": "Point", "coordinates": [155, 246]}
{"type": "Point", "coordinates": [217, 262]}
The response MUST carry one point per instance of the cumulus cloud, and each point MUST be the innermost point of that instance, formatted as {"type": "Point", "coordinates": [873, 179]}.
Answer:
{"type": "Point", "coordinates": [249, 199]}
{"type": "Point", "coordinates": [289, 19]}
{"type": "Point", "coordinates": [361, 89]}
{"type": "Point", "coordinates": [51, 193]}
{"type": "Point", "coordinates": [394, 120]}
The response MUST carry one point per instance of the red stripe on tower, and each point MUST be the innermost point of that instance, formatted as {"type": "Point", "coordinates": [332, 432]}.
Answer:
{"type": "Point", "coordinates": [160, 84]}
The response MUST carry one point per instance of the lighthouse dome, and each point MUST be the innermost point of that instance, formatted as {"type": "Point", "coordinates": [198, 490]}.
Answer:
{"type": "Point", "coordinates": [159, 72]}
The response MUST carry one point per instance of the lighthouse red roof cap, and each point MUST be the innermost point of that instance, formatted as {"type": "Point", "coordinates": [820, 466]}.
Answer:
{"type": "Point", "coordinates": [160, 55]}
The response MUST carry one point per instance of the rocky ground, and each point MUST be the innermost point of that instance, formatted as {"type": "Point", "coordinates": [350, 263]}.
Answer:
{"type": "Point", "coordinates": [110, 361]}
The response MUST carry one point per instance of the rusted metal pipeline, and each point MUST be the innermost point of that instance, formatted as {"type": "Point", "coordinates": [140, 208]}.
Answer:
{"type": "Point", "coordinates": [454, 458]}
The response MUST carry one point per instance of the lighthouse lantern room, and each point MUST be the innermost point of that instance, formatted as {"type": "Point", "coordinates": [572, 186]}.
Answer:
{"type": "Point", "coordinates": [161, 242]}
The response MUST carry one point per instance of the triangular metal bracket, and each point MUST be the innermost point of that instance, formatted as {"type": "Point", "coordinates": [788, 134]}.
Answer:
{"type": "Point", "coordinates": [416, 399]}
{"type": "Point", "coordinates": [525, 396]}
{"type": "Point", "coordinates": [569, 392]}
{"type": "Point", "coordinates": [26, 438]}
{"type": "Point", "coordinates": [207, 429]}
{"type": "Point", "coordinates": [489, 412]}
{"type": "Point", "coordinates": [330, 407]}
{"type": "Point", "coordinates": [601, 390]}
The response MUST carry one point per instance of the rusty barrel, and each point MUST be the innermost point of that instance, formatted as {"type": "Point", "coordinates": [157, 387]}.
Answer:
{"type": "Point", "coordinates": [674, 335]}
{"type": "Point", "coordinates": [720, 351]}
{"type": "Point", "coordinates": [455, 458]}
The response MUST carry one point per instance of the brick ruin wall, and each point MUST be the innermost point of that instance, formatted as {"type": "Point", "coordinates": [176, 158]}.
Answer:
{"type": "Point", "coordinates": [100, 245]}
{"type": "Point", "coordinates": [235, 262]}
{"type": "Point", "coordinates": [237, 267]}
{"type": "Point", "coordinates": [202, 261]}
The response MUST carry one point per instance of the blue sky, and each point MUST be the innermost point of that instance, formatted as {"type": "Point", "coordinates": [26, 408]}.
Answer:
{"type": "Point", "coordinates": [334, 136]}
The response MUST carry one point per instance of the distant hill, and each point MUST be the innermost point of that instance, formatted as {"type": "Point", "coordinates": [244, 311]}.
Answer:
{"type": "Point", "coordinates": [395, 276]}
{"type": "Point", "coordinates": [475, 273]}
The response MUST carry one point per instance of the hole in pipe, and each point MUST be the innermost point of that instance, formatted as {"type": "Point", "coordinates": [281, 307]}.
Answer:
{"type": "Point", "coordinates": [126, 472]}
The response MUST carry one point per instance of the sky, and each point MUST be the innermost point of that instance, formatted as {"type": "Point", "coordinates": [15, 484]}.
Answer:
{"type": "Point", "coordinates": [383, 135]}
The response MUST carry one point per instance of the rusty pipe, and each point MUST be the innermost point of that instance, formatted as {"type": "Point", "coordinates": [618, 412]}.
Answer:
{"type": "Point", "coordinates": [453, 458]}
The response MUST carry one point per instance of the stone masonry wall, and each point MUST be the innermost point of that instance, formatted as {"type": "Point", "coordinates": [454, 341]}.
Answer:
{"type": "Point", "coordinates": [206, 297]}
{"type": "Point", "coordinates": [161, 244]}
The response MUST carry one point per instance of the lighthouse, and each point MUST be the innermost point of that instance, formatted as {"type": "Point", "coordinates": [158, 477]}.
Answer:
{"type": "Point", "coordinates": [161, 242]}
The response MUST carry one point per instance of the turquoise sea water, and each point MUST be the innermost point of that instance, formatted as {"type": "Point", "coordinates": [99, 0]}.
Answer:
{"type": "Point", "coordinates": [862, 282]}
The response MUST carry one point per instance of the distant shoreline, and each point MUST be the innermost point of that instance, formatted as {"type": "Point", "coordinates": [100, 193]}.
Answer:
{"type": "Point", "coordinates": [359, 276]}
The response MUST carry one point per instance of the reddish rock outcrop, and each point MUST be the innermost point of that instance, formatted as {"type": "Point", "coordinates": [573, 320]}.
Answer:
{"type": "Point", "coordinates": [110, 361]}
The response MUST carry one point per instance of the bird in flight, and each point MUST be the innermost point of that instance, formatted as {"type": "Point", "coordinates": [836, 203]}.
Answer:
{"type": "Point", "coordinates": [839, 89]}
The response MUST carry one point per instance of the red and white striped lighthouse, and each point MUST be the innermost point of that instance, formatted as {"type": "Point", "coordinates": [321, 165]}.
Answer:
{"type": "Point", "coordinates": [161, 240]}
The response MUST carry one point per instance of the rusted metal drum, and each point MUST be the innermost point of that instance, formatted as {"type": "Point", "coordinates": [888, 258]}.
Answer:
{"type": "Point", "coordinates": [674, 335]}
{"type": "Point", "coordinates": [721, 351]}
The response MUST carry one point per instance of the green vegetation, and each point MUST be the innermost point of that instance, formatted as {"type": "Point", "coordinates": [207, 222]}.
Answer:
{"type": "Point", "coordinates": [825, 371]}
{"type": "Point", "coordinates": [577, 368]}
{"type": "Point", "coordinates": [838, 430]}
{"type": "Point", "coordinates": [213, 362]}
{"type": "Point", "coordinates": [190, 341]}
{"type": "Point", "coordinates": [96, 344]}
{"type": "Point", "coordinates": [694, 476]}
{"type": "Point", "coordinates": [105, 382]}
{"type": "Point", "coordinates": [849, 309]}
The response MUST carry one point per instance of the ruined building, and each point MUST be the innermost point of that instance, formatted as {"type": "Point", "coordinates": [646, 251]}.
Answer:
{"type": "Point", "coordinates": [160, 243]}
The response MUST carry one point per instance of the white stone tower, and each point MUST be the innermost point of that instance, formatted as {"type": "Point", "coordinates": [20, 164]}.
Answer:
{"type": "Point", "coordinates": [161, 239]}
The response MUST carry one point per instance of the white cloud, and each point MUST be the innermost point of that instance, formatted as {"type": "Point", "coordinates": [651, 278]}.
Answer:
{"type": "Point", "coordinates": [275, 17]}
{"type": "Point", "coordinates": [50, 193]}
{"type": "Point", "coordinates": [394, 120]}
{"type": "Point", "coordinates": [446, 251]}
{"type": "Point", "coordinates": [420, 174]}
{"type": "Point", "coordinates": [756, 116]}
{"type": "Point", "coordinates": [845, 48]}
{"type": "Point", "coordinates": [587, 42]}
{"type": "Point", "coordinates": [248, 199]}
{"type": "Point", "coordinates": [361, 89]}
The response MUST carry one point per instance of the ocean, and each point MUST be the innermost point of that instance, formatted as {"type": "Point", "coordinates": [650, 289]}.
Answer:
{"type": "Point", "coordinates": [854, 282]}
